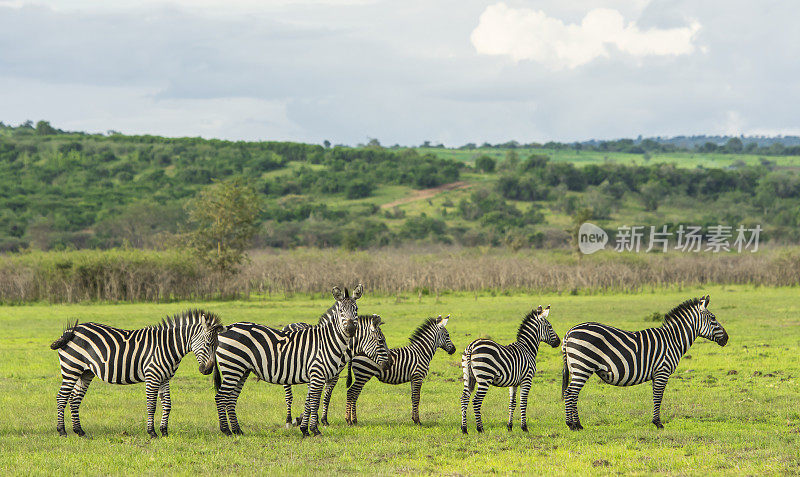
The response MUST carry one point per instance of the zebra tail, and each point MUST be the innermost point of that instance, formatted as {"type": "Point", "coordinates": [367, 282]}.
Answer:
{"type": "Point", "coordinates": [67, 335]}
{"type": "Point", "coordinates": [564, 373]}
{"type": "Point", "coordinates": [466, 365]}
{"type": "Point", "coordinates": [349, 374]}
{"type": "Point", "coordinates": [217, 376]}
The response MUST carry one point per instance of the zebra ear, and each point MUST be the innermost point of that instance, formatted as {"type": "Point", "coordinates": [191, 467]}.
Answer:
{"type": "Point", "coordinates": [708, 300]}
{"type": "Point", "coordinates": [358, 291]}
{"type": "Point", "coordinates": [443, 323]}
{"type": "Point", "coordinates": [546, 312]}
{"type": "Point", "coordinates": [337, 294]}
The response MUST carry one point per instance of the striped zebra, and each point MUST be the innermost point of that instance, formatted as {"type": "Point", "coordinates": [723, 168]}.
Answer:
{"type": "Point", "coordinates": [310, 355]}
{"type": "Point", "coordinates": [625, 358]}
{"type": "Point", "coordinates": [408, 364]}
{"type": "Point", "coordinates": [331, 382]}
{"type": "Point", "coordinates": [487, 363]}
{"type": "Point", "coordinates": [150, 355]}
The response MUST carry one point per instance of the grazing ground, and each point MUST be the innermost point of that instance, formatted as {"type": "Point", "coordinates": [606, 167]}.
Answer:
{"type": "Point", "coordinates": [731, 410]}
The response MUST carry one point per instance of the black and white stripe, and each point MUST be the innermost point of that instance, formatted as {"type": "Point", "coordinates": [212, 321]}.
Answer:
{"type": "Point", "coordinates": [150, 355]}
{"type": "Point", "coordinates": [625, 358]}
{"type": "Point", "coordinates": [311, 355]}
{"type": "Point", "coordinates": [331, 382]}
{"type": "Point", "coordinates": [408, 364]}
{"type": "Point", "coordinates": [486, 363]}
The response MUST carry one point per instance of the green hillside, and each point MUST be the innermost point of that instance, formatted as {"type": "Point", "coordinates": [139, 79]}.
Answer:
{"type": "Point", "coordinates": [64, 190]}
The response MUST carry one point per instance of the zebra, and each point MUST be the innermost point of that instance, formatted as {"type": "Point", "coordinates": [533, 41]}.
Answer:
{"type": "Point", "coordinates": [150, 355]}
{"type": "Point", "coordinates": [625, 358]}
{"type": "Point", "coordinates": [330, 383]}
{"type": "Point", "coordinates": [487, 363]}
{"type": "Point", "coordinates": [409, 364]}
{"type": "Point", "coordinates": [310, 355]}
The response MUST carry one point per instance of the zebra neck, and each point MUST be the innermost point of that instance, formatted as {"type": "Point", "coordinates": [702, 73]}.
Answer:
{"type": "Point", "coordinates": [425, 348]}
{"type": "Point", "coordinates": [681, 334]}
{"type": "Point", "coordinates": [177, 338]}
{"type": "Point", "coordinates": [529, 344]}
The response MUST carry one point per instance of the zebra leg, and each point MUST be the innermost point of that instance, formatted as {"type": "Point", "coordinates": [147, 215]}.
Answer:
{"type": "Point", "coordinates": [578, 378]}
{"type": "Point", "coordinates": [352, 398]}
{"type": "Point", "coordinates": [62, 398]}
{"type": "Point", "coordinates": [287, 392]}
{"type": "Point", "coordinates": [416, 388]}
{"type": "Point", "coordinates": [166, 406]}
{"type": "Point", "coordinates": [232, 404]}
{"type": "Point", "coordinates": [477, 401]}
{"type": "Point", "coordinates": [75, 401]}
{"type": "Point", "coordinates": [659, 384]}
{"type": "Point", "coordinates": [512, 403]}
{"type": "Point", "coordinates": [151, 392]}
{"type": "Point", "coordinates": [326, 399]}
{"type": "Point", "coordinates": [525, 389]}
{"type": "Point", "coordinates": [310, 414]}
{"type": "Point", "coordinates": [465, 394]}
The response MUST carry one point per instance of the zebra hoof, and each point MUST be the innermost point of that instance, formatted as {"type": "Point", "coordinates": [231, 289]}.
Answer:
{"type": "Point", "coordinates": [480, 429]}
{"type": "Point", "coordinates": [164, 432]}
{"type": "Point", "coordinates": [658, 424]}
{"type": "Point", "coordinates": [297, 421]}
{"type": "Point", "coordinates": [80, 433]}
{"type": "Point", "coordinates": [316, 432]}
{"type": "Point", "coordinates": [150, 432]}
{"type": "Point", "coordinates": [225, 431]}
{"type": "Point", "coordinates": [524, 428]}
{"type": "Point", "coordinates": [304, 430]}
{"type": "Point", "coordinates": [509, 427]}
{"type": "Point", "coordinates": [324, 421]}
{"type": "Point", "coordinates": [464, 430]}
{"type": "Point", "coordinates": [62, 432]}
{"type": "Point", "coordinates": [238, 432]}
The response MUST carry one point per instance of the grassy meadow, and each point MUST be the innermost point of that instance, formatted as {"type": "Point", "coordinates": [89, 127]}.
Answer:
{"type": "Point", "coordinates": [726, 410]}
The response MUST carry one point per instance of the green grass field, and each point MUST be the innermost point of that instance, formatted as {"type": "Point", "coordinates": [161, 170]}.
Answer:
{"type": "Point", "coordinates": [580, 158]}
{"type": "Point", "coordinates": [727, 410]}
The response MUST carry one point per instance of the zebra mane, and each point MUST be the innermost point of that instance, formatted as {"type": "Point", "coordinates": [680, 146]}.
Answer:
{"type": "Point", "coordinates": [532, 315]}
{"type": "Point", "coordinates": [187, 317]}
{"type": "Point", "coordinates": [419, 333]}
{"type": "Point", "coordinates": [676, 314]}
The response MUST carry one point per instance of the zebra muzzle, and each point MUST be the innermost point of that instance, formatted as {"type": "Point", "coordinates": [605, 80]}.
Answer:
{"type": "Point", "coordinates": [724, 340]}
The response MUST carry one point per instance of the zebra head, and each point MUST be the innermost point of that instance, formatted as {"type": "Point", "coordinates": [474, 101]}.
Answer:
{"type": "Point", "coordinates": [371, 342]}
{"type": "Point", "coordinates": [347, 309]}
{"type": "Point", "coordinates": [443, 337]}
{"type": "Point", "coordinates": [709, 327]}
{"type": "Point", "coordinates": [203, 341]}
{"type": "Point", "coordinates": [546, 332]}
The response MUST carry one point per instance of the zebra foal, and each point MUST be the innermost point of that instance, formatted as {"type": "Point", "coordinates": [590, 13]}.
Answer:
{"type": "Point", "coordinates": [408, 364]}
{"type": "Point", "coordinates": [625, 358]}
{"type": "Point", "coordinates": [486, 363]}
{"type": "Point", "coordinates": [150, 355]}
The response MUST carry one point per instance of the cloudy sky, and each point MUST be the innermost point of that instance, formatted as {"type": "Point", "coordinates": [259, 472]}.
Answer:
{"type": "Point", "coordinates": [402, 71]}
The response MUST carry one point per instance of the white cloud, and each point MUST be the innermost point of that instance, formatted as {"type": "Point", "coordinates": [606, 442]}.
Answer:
{"type": "Point", "coordinates": [527, 34]}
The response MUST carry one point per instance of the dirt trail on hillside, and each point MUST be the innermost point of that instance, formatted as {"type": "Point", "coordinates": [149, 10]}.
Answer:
{"type": "Point", "coordinates": [427, 193]}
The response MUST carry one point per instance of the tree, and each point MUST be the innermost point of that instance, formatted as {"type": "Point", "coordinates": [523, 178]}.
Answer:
{"type": "Point", "coordinates": [652, 192]}
{"type": "Point", "coordinates": [326, 143]}
{"type": "Point", "coordinates": [43, 128]}
{"type": "Point", "coordinates": [485, 163]}
{"type": "Point", "coordinates": [224, 215]}
{"type": "Point", "coordinates": [734, 145]}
